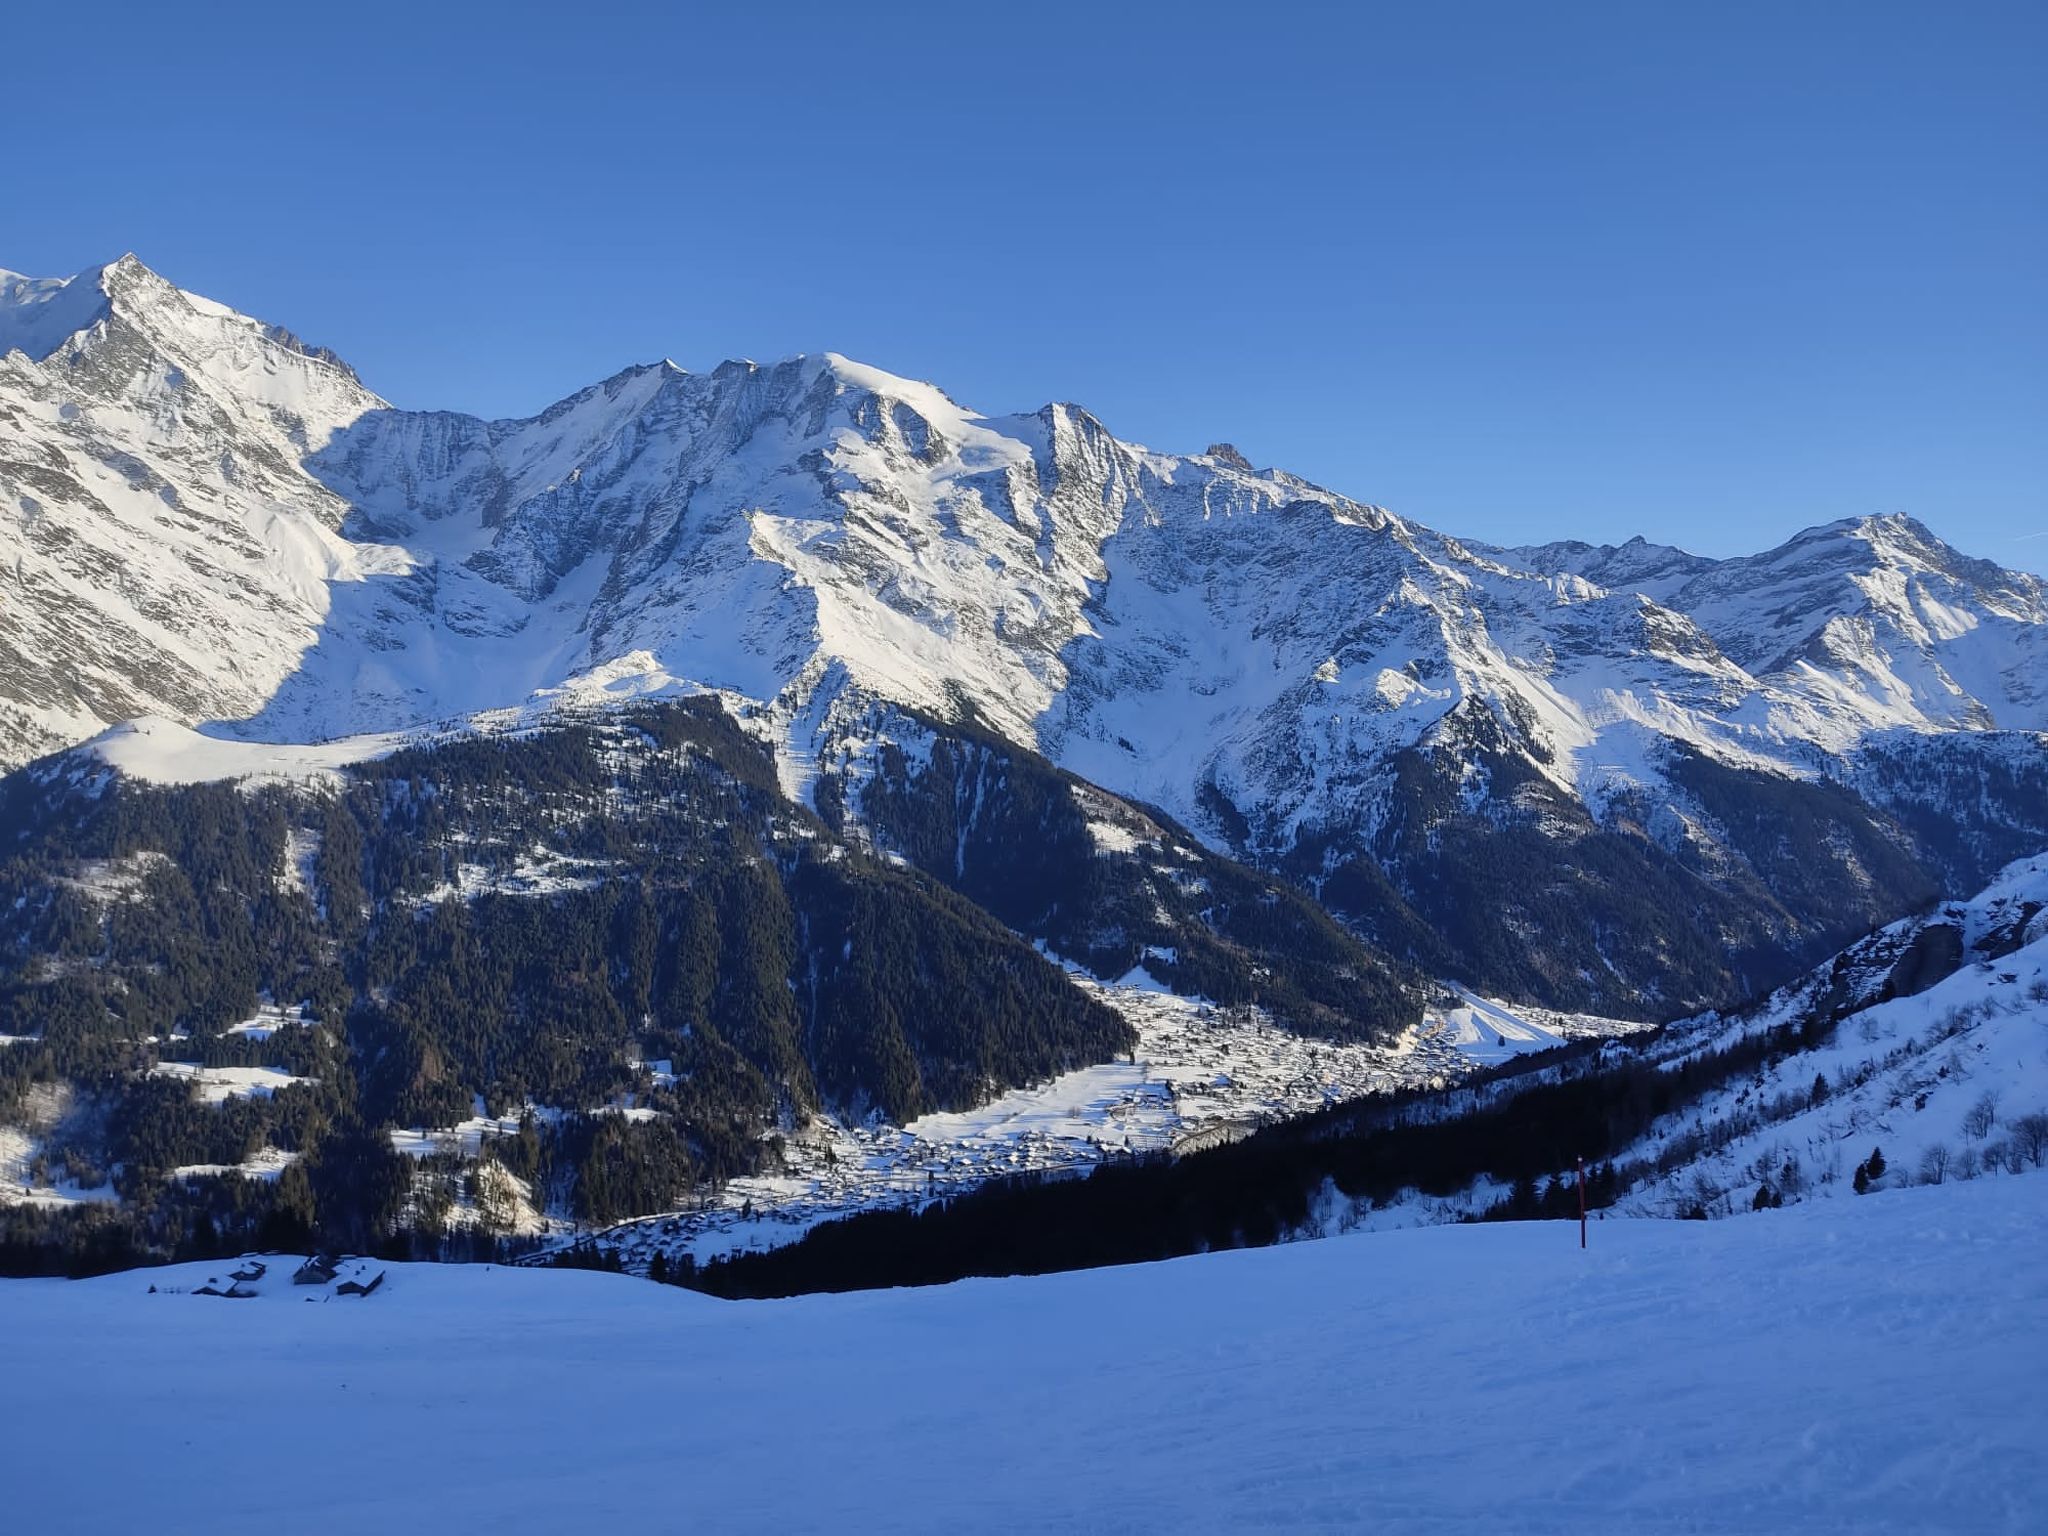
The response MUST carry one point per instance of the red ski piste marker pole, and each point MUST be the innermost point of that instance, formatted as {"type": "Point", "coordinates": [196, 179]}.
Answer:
{"type": "Point", "coordinates": [1582, 1202]}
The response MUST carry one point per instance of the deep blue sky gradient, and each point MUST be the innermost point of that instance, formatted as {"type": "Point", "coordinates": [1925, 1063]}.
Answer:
{"type": "Point", "coordinates": [1707, 273]}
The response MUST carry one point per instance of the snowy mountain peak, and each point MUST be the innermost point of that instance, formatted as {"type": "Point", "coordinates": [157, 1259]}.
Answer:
{"type": "Point", "coordinates": [38, 314]}
{"type": "Point", "coordinates": [126, 274]}
{"type": "Point", "coordinates": [1881, 529]}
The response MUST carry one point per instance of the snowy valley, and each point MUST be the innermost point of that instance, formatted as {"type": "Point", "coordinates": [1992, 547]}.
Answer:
{"type": "Point", "coordinates": [1199, 1076]}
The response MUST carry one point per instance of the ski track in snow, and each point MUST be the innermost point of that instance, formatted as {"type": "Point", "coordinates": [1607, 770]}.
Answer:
{"type": "Point", "coordinates": [1869, 1366]}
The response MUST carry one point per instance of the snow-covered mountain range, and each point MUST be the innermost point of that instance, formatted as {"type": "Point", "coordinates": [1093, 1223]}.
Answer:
{"type": "Point", "coordinates": [1038, 767]}
{"type": "Point", "coordinates": [205, 520]}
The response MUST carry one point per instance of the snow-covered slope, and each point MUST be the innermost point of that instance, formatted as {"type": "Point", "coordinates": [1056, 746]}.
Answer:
{"type": "Point", "coordinates": [1861, 1366]}
{"type": "Point", "coordinates": [162, 548]}
{"type": "Point", "coordinates": [1925, 1043]}
{"type": "Point", "coordinates": [1938, 1059]}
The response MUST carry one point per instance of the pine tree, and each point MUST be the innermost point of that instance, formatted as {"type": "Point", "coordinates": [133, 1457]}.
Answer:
{"type": "Point", "coordinates": [1522, 1201]}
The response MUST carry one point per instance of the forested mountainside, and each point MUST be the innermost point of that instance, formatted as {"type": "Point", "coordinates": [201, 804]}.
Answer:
{"type": "Point", "coordinates": [616, 939]}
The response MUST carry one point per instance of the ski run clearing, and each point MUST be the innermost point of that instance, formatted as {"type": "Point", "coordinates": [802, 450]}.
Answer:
{"type": "Point", "coordinates": [216, 1085]}
{"type": "Point", "coordinates": [1851, 1366]}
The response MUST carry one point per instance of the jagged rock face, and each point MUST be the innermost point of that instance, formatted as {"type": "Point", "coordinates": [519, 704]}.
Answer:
{"type": "Point", "coordinates": [1935, 954]}
{"type": "Point", "coordinates": [203, 519]}
{"type": "Point", "coordinates": [1912, 627]}
{"type": "Point", "coordinates": [163, 548]}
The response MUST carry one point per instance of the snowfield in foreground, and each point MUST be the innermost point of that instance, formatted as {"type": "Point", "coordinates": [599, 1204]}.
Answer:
{"type": "Point", "coordinates": [1867, 1365]}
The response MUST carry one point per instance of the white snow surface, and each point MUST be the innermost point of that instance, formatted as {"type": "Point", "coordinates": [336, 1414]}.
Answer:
{"type": "Point", "coordinates": [160, 751]}
{"type": "Point", "coordinates": [1488, 1031]}
{"type": "Point", "coordinates": [463, 1140]}
{"type": "Point", "coordinates": [267, 1163]}
{"type": "Point", "coordinates": [18, 1149]}
{"type": "Point", "coordinates": [1868, 1366]}
{"type": "Point", "coordinates": [268, 1019]}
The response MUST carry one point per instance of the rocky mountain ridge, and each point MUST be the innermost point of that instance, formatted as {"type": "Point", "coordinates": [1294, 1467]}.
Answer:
{"type": "Point", "coordinates": [207, 521]}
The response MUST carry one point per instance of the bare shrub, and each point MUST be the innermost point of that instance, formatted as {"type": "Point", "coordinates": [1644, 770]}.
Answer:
{"type": "Point", "coordinates": [2030, 1135]}
{"type": "Point", "coordinates": [1982, 1115]}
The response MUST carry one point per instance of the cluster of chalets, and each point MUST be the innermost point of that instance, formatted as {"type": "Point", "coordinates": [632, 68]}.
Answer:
{"type": "Point", "coordinates": [319, 1270]}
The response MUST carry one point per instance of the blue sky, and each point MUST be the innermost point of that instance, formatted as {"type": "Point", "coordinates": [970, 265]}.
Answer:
{"type": "Point", "coordinates": [1706, 273]}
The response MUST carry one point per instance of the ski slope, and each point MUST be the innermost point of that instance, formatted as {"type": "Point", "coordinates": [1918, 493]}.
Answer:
{"type": "Point", "coordinates": [1868, 1365]}
{"type": "Point", "coordinates": [1488, 1032]}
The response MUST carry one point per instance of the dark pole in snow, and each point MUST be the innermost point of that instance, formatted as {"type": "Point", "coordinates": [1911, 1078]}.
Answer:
{"type": "Point", "coordinates": [1582, 1202]}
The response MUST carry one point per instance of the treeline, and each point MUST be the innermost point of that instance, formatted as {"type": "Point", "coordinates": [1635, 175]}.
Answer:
{"type": "Point", "coordinates": [347, 1189]}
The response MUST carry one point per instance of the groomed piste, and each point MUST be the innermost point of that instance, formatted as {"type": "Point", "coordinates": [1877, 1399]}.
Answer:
{"type": "Point", "coordinates": [1865, 1365]}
